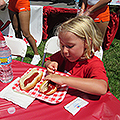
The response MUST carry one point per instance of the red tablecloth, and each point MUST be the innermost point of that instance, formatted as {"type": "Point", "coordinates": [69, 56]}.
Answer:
{"type": "Point", "coordinates": [106, 107]}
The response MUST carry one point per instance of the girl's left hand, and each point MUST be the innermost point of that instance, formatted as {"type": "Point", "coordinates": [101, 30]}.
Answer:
{"type": "Point", "coordinates": [55, 78]}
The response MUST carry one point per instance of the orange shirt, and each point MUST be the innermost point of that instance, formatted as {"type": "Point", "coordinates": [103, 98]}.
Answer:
{"type": "Point", "coordinates": [19, 5]}
{"type": "Point", "coordinates": [102, 14]}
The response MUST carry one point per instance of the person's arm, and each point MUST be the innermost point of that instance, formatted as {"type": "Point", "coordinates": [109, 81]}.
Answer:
{"type": "Point", "coordinates": [83, 6]}
{"type": "Point", "coordinates": [88, 85]}
{"type": "Point", "coordinates": [97, 6]}
{"type": "Point", "coordinates": [2, 4]}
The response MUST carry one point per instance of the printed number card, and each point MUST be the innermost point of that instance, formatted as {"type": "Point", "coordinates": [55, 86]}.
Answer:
{"type": "Point", "coordinates": [74, 106]}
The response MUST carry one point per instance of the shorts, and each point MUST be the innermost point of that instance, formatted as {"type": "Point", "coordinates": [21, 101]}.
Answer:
{"type": "Point", "coordinates": [102, 14]}
{"type": "Point", "coordinates": [19, 5]}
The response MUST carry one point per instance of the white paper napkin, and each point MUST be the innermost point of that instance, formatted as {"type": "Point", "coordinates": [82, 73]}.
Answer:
{"type": "Point", "coordinates": [18, 98]}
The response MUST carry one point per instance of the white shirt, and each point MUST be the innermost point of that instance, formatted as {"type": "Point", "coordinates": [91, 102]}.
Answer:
{"type": "Point", "coordinates": [92, 2]}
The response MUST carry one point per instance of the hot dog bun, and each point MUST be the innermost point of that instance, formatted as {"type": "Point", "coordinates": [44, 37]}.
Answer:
{"type": "Point", "coordinates": [48, 87]}
{"type": "Point", "coordinates": [28, 81]}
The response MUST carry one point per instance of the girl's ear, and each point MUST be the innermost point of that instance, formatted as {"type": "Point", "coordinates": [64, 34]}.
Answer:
{"type": "Point", "coordinates": [87, 44]}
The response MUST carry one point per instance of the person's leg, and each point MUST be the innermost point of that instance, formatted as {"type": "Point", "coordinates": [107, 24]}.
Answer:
{"type": "Point", "coordinates": [24, 18]}
{"type": "Point", "coordinates": [102, 26]}
{"type": "Point", "coordinates": [15, 23]}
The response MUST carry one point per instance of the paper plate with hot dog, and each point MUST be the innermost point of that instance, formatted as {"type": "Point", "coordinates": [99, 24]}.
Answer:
{"type": "Point", "coordinates": [32, 83]}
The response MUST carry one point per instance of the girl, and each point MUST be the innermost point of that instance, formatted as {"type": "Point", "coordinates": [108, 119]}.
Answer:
{"type": "Point", "coordinates": [79, 39]}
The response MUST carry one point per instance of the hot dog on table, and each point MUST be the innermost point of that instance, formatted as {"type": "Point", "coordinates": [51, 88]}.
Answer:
{"type": "Point", "coordinates": [29, 80]}
{"type": "Point", "coordinates": [48, 87]}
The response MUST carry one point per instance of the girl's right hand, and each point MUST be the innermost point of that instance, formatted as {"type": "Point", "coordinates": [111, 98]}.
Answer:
{"type": "Point", "coordinates": [52, 67]}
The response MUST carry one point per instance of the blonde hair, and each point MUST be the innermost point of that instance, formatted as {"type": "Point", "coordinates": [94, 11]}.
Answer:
{"type": "Point", "coordinates": [85, 28]}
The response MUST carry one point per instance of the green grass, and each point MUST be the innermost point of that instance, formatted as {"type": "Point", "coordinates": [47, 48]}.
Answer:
{"type": "Point", "coordinates": [111, 59]}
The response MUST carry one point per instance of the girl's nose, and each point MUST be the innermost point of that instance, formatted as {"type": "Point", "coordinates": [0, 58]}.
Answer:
{"type": "Point", "coordinates": [65, 49]}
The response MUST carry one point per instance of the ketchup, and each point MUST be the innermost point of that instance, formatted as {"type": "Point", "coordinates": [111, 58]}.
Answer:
{"type": "Point", "coordinates": [51, 86]}
{"type": "Point", "coordinates": [30, 79]}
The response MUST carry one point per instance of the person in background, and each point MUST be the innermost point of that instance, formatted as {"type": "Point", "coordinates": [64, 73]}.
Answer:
{"type": "Point", "coordinates": [79, 38]}
{"type": "Point", "coordinates": [99, 11]}
{"type": "Point", "coordinates": [3, 4]}
{"type": "Point", "coordinates": [19, 11]}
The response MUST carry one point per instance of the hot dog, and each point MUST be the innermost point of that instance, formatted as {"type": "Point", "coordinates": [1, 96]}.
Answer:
{"type": "Point", "coordinates": [28, 81]}
{"type": "Point", "coordinates": [48, 87]}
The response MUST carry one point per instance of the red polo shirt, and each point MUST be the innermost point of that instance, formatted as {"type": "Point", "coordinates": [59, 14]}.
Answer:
{"type": "Point", "coordinates": [90, 68]}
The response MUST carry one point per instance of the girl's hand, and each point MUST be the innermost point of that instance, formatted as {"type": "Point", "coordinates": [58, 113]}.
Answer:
{"type": "Point", "coordinates": [55, 78]}
{"type": "Point", "coordinates": [52, 67]}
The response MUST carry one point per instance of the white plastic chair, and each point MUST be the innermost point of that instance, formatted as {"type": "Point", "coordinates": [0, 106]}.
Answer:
{"type": "Point", "coordinates": [99, 54]}
{"type": "Point", "coordinates": [18, 46]}
{"type": "Point", "coordinates": [52, 46]}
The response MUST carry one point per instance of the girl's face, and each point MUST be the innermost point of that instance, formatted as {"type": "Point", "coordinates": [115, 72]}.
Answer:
{"type": "Point", "coordinates": [72, 47]}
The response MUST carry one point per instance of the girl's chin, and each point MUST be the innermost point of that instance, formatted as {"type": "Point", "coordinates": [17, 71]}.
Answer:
{"type": "Point", "coordinates": [72, 60]}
